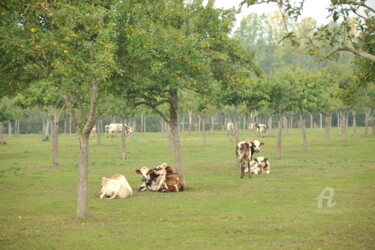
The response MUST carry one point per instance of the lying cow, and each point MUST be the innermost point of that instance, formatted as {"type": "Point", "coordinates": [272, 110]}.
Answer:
{"type": "Point", "coordinates": [244, 152]}
{"type": "Point", "coordinates": [261, 129]}
{"type": "Point", "coordinates": [259, 165]}
{"type": "Point", "coordinates": [160, 179]}
{"type": "Point", "coordinates": [116, 186]}
{"type": "Point", "coordinates": [112, 128]}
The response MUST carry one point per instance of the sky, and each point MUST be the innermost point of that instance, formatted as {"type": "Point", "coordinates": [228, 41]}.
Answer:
{"type": "Point", "coordinates": [316, 9]}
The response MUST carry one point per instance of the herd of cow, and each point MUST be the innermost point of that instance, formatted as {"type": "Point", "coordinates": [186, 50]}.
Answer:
{"type": "Point", "coordinates": [259, 127]}
{"type": "Point", "coordinates": [163, 179]}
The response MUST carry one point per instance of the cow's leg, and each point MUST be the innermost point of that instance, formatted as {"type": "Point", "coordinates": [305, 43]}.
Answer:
{"type": "Point", "coordinates": [242, 168]}
{"type": "Point", "coordinates": [248, 168]}
{"type": "Point", "coordinates": [101, 195]}
{"type": "Point", "coordinates": [161, 182]}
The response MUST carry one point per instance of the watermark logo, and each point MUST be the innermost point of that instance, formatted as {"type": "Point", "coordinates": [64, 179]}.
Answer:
{"type": "Point", "coordinates": [329, 197]}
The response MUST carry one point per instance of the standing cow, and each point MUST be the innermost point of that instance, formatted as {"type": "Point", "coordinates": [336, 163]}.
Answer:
{"type": "Point", "coordinates": [244, 153]}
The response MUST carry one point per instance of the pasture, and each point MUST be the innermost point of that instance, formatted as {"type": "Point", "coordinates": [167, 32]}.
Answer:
{"type": "Point", "coordinates": [218, 210]}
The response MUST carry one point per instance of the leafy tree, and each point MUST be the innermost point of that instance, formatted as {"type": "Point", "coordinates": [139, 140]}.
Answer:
{"type": "Point", "coordinates": [168, 47]}
{"type": "Point", "coordinates": [42, 95]}
{"type": "Point", "coordinates": [308, 91]}
{"type": "Point", "coordinates": [70, 45]}
{"type": "Point", "coordinates": [352, 16]}
{"type": "Point", "coordinates": [279, 87]}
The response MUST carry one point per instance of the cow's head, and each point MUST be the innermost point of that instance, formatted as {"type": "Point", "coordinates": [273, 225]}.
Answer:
{"type": "Point", "coordinates": [145, 173]}
{"type": "Point", "coordinates": [256, 145]}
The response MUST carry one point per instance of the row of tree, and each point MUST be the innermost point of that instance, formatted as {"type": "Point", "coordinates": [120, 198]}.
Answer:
{"type": "Point", "coordinates": [107, 58]}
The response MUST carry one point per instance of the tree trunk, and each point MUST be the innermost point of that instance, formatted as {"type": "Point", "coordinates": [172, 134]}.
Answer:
{"type": "Point", "coordinates": [123, 141]}
{"type": "Point", "coordinates": [82, 187]}
{"type": "Point", "coordinates": [279, 134]}
{"type": "Point", "coordinates": [285, 124]}
{"type": "Point", "coordinates": [354, 113]}
{"type": "Point", "coordinates": [99, 132]}
{"type": "Point", "coordinates": [70, 125]}
{"type": "Point", "coordinates": [1, 133]}
{"type": "Point", "coordinates": [170, 139]}
{"type": "Point", "coordinates": [175, 133]}
{"type": "Point", "coordinates": [46, 129]}
{"type": "Point", "coordinates": [190, 112]}
{"type": "Point", "coordinates": [236, 127]}
{"type": "Point", "coordinates": [338, 119]}
{"type": "Point", "coordinates": [368, 112]}
{"type": "Point", "coordinates": [183, 123]}
{"type": "Point", "coordinates": [213, 119]}
{"type": "Point", "coordinates": [204, 130]}
{"type": "Point", "coordinates": [342, 125]}
{"type": "Point", "coordinates": [321, 121]}
{"type": "Point", "coordinates": [291, 120]}
{"type": "Point", "coordinates": [303, 131]}
{"type": "Point", "coordinates": [270, 125]}
{"type": "Point", "coordinates": [328, 127]}
{"type": "Point", "coordinates": [134, 137]}
{"type": "Point", "coordinates": [84, 130]}
{"type": "Point", "coordinates": [10, 129]}
{"type": "Point", "coordinates": [311, 121]}
{"type": "Point", "coordinates": [64, 126]}
{"type": "Point", "coordinates": [141, 128]}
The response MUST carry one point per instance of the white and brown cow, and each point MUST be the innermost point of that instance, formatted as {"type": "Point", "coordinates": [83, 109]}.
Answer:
{"type": "Point", "coordinates": [116, 186]}
{"type": "Point", "coordinates": [244, 153]}
{"type": "Point", "coordinates": [112, 128]}
{"type": "Point", "coordinates": [260, 165]}
{"type": "Point", "coordinates": [261, 129]}
{"type": "Point", "coordinates": [160, 179]}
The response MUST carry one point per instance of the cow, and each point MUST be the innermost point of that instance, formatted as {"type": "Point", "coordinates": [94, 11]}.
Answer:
{"type": "Point", "coordinates": [93, 131]}
{"type": "Point", "coordinates": [244, 152]}
{"type": "Point", "coordinates": [112, 128]}
{"type": "Point", "coordinates": [261, 129]}
{"type": "Point", "coordinates": [160, 179]}
{"type": "Point", "coordinates": [230, 129]}
{"type": "Point", "coordinates": [116, 186]}
{"type": "Point", "coordinates": [259, 165]}
{"type": "Point", "coordinates": [167, 180]}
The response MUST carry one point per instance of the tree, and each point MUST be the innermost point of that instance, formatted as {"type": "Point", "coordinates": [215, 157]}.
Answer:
{"type": "Point", "coordinates": [307, 95]}
{"type": "Point", "coordinates": [351, 16]}
{"type": "Point", "coordinates": [69, 45]}
{"type": "Point", "coordinates": [279, 87]}
{"type": "Point", "coordinates": [42, 95]}
{"type": "Point", "coordinates": [168, 47]}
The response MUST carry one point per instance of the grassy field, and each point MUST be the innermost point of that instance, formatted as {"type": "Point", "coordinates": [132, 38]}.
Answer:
{"type": "Point", "coordinates": [218, 210]}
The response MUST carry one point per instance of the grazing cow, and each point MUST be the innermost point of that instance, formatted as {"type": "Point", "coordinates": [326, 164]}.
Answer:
{"type": "Point", "coordinates": [160, 179]}
{"type": "Point", "coordinates": [116, 186]}
{"type": "Point", "coordinates": [230, 128]}
{"type": "Point", "coordinates": [260, 165]}
{"type": "Point", "coordinates": [244, 152]}
{"type": "Point", "coordinates": [261, 129]}
{"type": "Point", "coordinates": [112, 128]}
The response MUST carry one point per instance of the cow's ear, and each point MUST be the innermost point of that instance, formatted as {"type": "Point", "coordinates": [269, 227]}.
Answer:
{"type": "Point", "coordinates": [169, 169]}
{"type": "Point", "coordinates": [265, 159]}
{"type": "Point", "coordinates": [138, 171]}
{"type": "Point", "coordinates": [262, 143]}
{"type": "Point", "coordinates": [151, 171]}
{"type": "Point", "coordinates": [255, 159]}
{"type": "Point", "coordinates": [251, 143]}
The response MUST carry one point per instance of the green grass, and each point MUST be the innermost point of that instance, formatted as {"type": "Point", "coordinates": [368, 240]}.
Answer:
{"type": "Point", "coordinates": [218, 210]}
